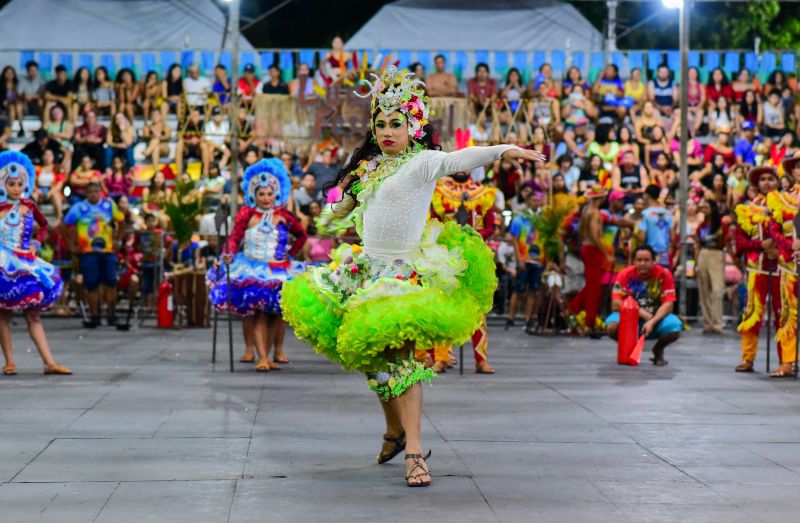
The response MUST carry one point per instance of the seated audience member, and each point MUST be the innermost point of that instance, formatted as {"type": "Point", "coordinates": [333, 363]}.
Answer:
{"type": "Point", "coordinates": [249, 84]}
{"type": "Point", "coordinates": [50, 183]}
{"type": "Point", "coordinates": [609, 94]}
{"type": "Point", "coordinates": [274, 85]}
{"type": "Point", "coordinates": [61, 131]}
{"type": "Point", "coordinates": [773, 114]}
{"type": "Point", "coordinates": [157, 134]}
{"type": "Point", "coordinates": [441, 83]}
{"type": "Point", "coordinates": [216, 138]}
{"type": "Point", "coordinates": [56, 92]}
{"type": "Point", "coordinates": [662, 90]}
{"type": "Point", "coordinates": [118, 182]}
{"type": "Point", "coordinates": [172, 92]}
{"type": "Point", "coordinates": [305, 194]}
{"type": "Point", "coordinates": [196, 87]}
{"type": "Point", "coordinates": [120, 139]}
{"type": "Point", "coordinates": [482, 88]}
{"type": "Point", "coordinates": [81, 93]}
{"type": "Point", "coordinates": [103, 93]}
{"type": "Point", "coordinates": [31, 89]}
{"type": "Point", "coordinates": [151, 94]}
{"type": "Point", "coordinates": [190, 139]}
{"type": "Point", "coordinates": [128, 93]}
{"type": "Point", "coordinates": [221, 88]}
{"type": "Point", "coordinates": [41, 141]}
{"type": "Point", "coordinates": [629, 177]}
{"type": "Point", "coordinates": [325, 170]}
{"type": "Point", "coordinates": [81, 177]}
{"type": "Point", "coordinates": [90, 137]}
{"type": "Point", "coordinates": [653, 288]}
{"type": "Point", "coordinates": [304, 83]}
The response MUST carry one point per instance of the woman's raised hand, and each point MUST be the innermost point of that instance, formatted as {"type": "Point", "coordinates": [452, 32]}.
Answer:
{"type": "Point", "coordinates": [516, 155]}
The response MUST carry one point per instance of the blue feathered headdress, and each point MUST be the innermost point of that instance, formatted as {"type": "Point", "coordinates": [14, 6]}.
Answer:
{"type": "Point", "coordinates": [269, 172]}
{"type": "Point", "coordinates": [15, 164]}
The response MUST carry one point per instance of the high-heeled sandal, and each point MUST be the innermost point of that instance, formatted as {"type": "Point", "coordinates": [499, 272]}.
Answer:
{"type": "Point", "coordinates": [418, 465]}
{"type": "Point", "coordinates": [399, 446]}
{"type": "Point", "coordinates": [10, 370]}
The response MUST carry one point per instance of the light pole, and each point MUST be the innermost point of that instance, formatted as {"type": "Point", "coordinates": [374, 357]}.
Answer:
{"type": "Point", "coordinates": [233, 24]}
{"type": "Point", "coordinates": [684, 7]}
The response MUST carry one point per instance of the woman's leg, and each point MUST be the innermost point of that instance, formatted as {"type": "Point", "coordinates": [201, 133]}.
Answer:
{"type": "Point", "coordinates": [5, 337]}
{"type": "Point", "coordinates": [277, 333]}
{"type": "Point", "coordinates": [248, 324]}
{"type": "Point", "coordinates": [410, 410]}
{"type": "Point", "coordinates": [36, 331]}
{"type": "Point", "coordinates": [260, 338]}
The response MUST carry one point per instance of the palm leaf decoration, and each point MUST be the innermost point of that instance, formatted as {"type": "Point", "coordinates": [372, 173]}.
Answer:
{"type": "Point", "coordinates": [183, 206]}
{"type": "Point", "coordinates": [549, 221]}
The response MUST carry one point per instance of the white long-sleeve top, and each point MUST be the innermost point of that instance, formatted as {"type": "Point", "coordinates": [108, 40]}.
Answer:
{"type": "Point", "coordinates": [396, 213]}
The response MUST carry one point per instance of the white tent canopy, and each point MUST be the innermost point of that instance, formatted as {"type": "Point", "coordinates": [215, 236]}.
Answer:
{"type": "Point", "coordinates": [100, 25]}
{"type": "Point", "coordinates": [470, 25]}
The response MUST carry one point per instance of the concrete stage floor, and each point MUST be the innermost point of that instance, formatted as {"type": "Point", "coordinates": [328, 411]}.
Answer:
{"type": "Point", "coordinates": [148, 430]}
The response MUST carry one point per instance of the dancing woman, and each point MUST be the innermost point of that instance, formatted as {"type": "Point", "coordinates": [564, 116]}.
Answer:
{"type": "Point", "coordinates": [264, 229]}
{"type": "Point", "coordinates": [411, 284]}
{"type": "Point", "coordinates": [26, 282]}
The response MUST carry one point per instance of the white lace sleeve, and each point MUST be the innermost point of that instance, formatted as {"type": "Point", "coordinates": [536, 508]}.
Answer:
{"type": "Point", "coordinates": [437, 164]}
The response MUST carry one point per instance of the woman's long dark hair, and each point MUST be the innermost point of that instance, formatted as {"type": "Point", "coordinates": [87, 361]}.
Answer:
{"type": "Point", "coordinates": [715, 220]}
{"type": "Point", "coordinates": [724, 81]}
{"type": "Point", "coordinates": [367, 150]}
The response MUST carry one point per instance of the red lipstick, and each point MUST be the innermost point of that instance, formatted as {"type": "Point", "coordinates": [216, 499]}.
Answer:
{"type": "Point", "coordinates": [387, 142]}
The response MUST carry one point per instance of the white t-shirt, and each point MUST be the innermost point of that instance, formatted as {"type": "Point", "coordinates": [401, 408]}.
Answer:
{"type": "Point", "coordinates": [196, 90]}
{"type": "Point", "coordinates": [216, 134]}
{"type": "Point", "coordinates": [506, 255]}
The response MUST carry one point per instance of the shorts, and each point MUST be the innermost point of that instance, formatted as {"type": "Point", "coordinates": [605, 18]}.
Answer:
{"type": "Point", "coordinates": [669, 325]}
{"type": "Point", "coordinates": [97, 268]}
{"type": "Point", "coordinates": [529, 279]}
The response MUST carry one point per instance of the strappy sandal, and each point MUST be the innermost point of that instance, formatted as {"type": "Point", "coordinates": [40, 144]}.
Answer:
{"type": "Point", "coordinates": [10, 370]}
{"type": "Point", "coordinates": [784, 371]}
{"type": "Point", "coordinates": [399, 446]}
{"type": "Point", "coordinates": [282, 359]}
{"type": "Point", "coordinates": [58, 369]}
{"type": "Point", "coordinates": [418, 465]}
{"type": "Point", "coordinates": [745, 366]}
{"type": "Point", "coordinates": [248, 359]}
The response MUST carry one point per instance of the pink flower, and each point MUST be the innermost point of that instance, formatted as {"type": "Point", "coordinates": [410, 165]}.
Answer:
{"type": "Point", "coordinates": [354, 269]}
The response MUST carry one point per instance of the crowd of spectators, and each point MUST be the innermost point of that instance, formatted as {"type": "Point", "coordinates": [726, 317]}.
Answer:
{"type": "Point", "coordinates": [616, 135]}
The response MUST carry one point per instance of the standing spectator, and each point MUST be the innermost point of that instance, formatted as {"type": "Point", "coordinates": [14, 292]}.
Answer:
{"type": "Point", "coordinates": [157, 134]}
{"type": "Point", "coordinates": [249, 84]}
{"type": "Point", "coordinates": [103, 93]}
{"type": "Point", "coordinates": [196, 87]}
{"type": "Point", "coordinates": [94, 221]}
{"type": "Point", "coordinates": [50, 183]}
{"type": "Point", "coordinates": [216, 137]}
{"type": "Point", "coordinates": [629, 177]}
{"type": "Point", "coordinates": [654, 228]}
{"type": "Point", "coordinates": [61, 131]}
{"type": "Point", "coordinates": [41, 141]}
{"type": "Point", "coordinates": [744, 150]}
{"type": "Point", "coordinates": [275, 85]}
{"type": "Point", "coordinates": [653, 288]}
{"type": "Point", "coordinates": [530, 260]}
{"type": "Point", "coordinates": [81, 177]}
{"type": "Point", "coordinates": [172, 92]}
{"type": "Point", "coordinates": [441, 83]}
{"type": "Point", "coordinates": [151, 94]}
{"type": "Point", "coordinates": [190, 141]}
{"type": "Point", "coordinates": [118, 182]}
{"type": "Point", "coordinates": [81, 93]}
{"type": "Point", "coordinates": [718, 87]}
{"type": "Point", "coordinates": [128, 94]}
{"type": "Point", "coordinates": [481, 89]}
{"type": "Point", "coordinates": [773, 115]}
{"type": "Point", "coordinates": [710, 241]}
{"type": "Point", "coordinates": [119, 142]}
{"type": "Point", "coordinates": [90, 137]}
{"type": "Point", "coordinates": [662, 90]}
{"type": "Point", "coordinates": [221, 88]}
{"type": "Point", "coordinates": [56, 92]}
{"type": "Point", "coordinates": [304, 83]}
{"type": "Point", "coordinates": [31, 88]}
{"type": "Point", "coordinates": [10, 97]}
{"type": "Point", "coordinates": [325, 170]}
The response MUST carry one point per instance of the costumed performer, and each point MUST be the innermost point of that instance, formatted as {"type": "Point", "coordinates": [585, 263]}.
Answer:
{"type": "Point", "coordinates": [265, 231]}
{"type": "Point", "coordinates": [460, 199]}
{"type": "Point", "coordinates": [26, 281]}
{"type": "Point", "coordinates": [755, 244]}
{"type": "Point", "coordinates": [784, 207]}
{"type": "Point", "coordinates": [411, 284]}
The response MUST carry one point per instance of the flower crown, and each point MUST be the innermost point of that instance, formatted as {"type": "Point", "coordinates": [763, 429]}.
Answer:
{"type": "Point", "coordinates": [393, 91]}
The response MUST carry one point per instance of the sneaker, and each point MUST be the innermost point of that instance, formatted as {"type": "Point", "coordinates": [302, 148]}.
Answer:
{"type": "Point", "coordinates": [509, 324]}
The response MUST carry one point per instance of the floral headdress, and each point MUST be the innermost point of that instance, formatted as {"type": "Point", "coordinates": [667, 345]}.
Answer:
{"type": "Point", "coordinates": [14, 164]}
{"type": "Point", "coordinates": [393, 91]}
{"type": "Point", "coordinates": [269, 172]}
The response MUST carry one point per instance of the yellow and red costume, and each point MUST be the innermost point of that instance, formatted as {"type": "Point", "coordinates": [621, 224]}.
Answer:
{"type": "Point", "coordinates": [477, 201]}
{"type": "Point", "coordinates": [754, 226]}
{"type": "Point", "coordinates": [783, 207]}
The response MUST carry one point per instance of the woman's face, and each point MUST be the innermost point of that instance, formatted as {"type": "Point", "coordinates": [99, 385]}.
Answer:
{"type": "Point", "coordinates": [558, 182]}
{"type": "Point", "coordinates": [84, 76]}
{"type": "Point", "coordinates": [722, 103]}
{"type": "Point", "coordinates": [574, 74]}
{"type": "Point", "coordinates": [391, 132]}
{"type": "Point", "coordinates": [151, 78]}
{"type": "Point", "coordinates": [126, 77]}
{"type": "Point", "coordinates": [750, 97]}
{"type": "Point", "coordinates": [719, 161]}
{"type": "Point", "coordinates": [658, 134]}
{"type": "Point", "coordinates": [14, 187]}
{"type": "Point", "coordinates": [596, 163]}
{"type": "Point", "coordinates": [538, 135]}
{"type": "Point", "coordinates": [514, 78]}
{"type": "Point", "coordinates": [158, 178]}
{"type": "Point", "coordinates": [704, 207]}
{"type": "Point", "coordinates": [175, 73]}
{"type": "Point", "coordinates": [636, 74]}
{"type": "Point", "coordinates": [717, 76]}
{"type": "Point", "coordinates": [692, 75]}
{"type": "Point", "coordinates": [610, 72]}
{"type": "Point", "coordinates": [786, 183]}
{"type": "Point", "coordinates": [624, 135]}
{"type": "Point", "coordinates": [123, 203]}
{"type": "Point", "coordinates": [691, 207]}
{"type": "Point", "coordinates": [116, 164]}
{"type": "Point", "coordinates": [662, 162]}
{"type": "Point", "coordinates": [156, 116]}
{"type": "Point", "coordinates": [86, 163]}
{"type": "Point", "coordinates": [612, 135]}
{"type": "Point", "coordinates": [719, 182]}
{"type": "Point", "coordinates": [101, 75]}
{"type": "Point", "coordinates": [647, 108]}
{"type": "Point", "coordinates": [723, 138]}
{"type": "Point", "coordinates": [8, 73]}
{"type": "Point", "coordinates": [265, 197]}
{"type": "Point", "coordinates": [57, 114]}
{"type": "Point", "coordinates": [546, 71]}
{"type": "Point", "coordinates": [122, 122]}
{"type": "Point", "coordinates": [48, 157]}
{"type": "Point", "coordinates": [314, 209]}
{"type": "Point", "coordinates": [744, 76]}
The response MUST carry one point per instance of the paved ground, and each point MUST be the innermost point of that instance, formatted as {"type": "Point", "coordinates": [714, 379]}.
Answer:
{"type": "Point", "coordinates": [147, 430]}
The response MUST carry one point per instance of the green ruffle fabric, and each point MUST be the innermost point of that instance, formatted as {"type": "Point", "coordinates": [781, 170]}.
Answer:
{"type": "Point", "coordinates": [426, 314]}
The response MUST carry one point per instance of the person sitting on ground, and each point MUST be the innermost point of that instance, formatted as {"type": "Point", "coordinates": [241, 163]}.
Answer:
{"type": "Point", "coordinates": [653, 288]}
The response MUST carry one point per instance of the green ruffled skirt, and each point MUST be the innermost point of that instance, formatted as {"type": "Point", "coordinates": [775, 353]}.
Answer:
{"type": "Point", "coordinates": [359, 306]}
